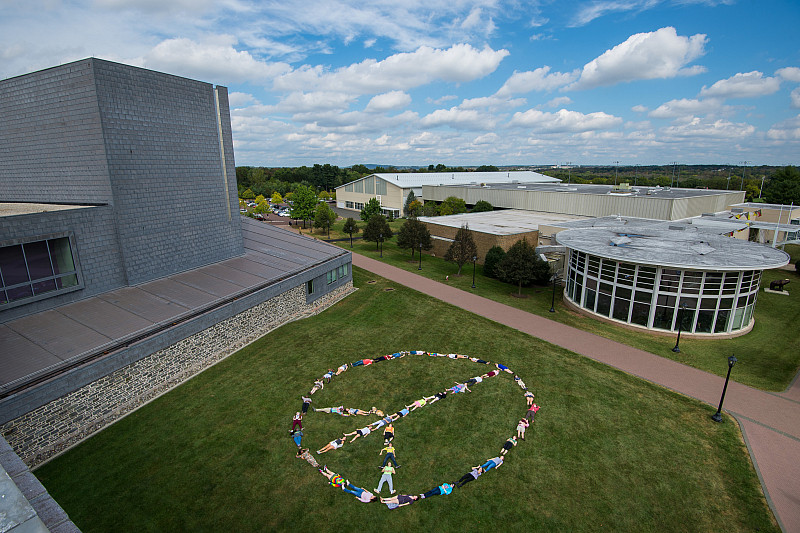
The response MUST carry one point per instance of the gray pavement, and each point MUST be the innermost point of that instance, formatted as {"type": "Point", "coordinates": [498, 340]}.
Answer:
{"type": "Point", "coordinates": [770, 422]}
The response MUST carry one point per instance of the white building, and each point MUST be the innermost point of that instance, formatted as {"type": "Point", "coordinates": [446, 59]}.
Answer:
{"type": "Point", "coordinates": [391, 190]}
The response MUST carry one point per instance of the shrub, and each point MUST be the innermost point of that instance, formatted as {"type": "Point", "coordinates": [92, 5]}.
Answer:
{"type": "Point", "coordinates": [493, 258]}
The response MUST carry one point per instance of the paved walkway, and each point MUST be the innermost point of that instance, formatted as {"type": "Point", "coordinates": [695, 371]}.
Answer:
{"type": "Point", "coordinates": [770, 422]}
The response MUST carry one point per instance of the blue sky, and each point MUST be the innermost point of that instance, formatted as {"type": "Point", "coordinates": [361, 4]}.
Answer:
{"type": "Point", "coordinates": [458, 82]}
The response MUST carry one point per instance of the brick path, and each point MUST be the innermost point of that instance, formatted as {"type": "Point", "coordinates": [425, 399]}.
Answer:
{"type": "Point", "coordinates": [770, 422]}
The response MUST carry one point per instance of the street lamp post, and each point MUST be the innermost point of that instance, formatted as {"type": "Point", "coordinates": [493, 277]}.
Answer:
{"type": "Point", "coordinates": [744, 168]}
{"type": "Point", "coordinates": [420, 256]}
{"type": "Point", "coordinates": [474, 258]}
{"type": "Point", "coordinates": [380, 239]}
{"type": "Point", "coordinates": [717, 417]}
{"type": "Point", "coordinates": [616, 168]}
{"type": "Point", "coordinates": [569, 172]}
{"type": "Point", "coordinates": [681, 309]}
{"type": "Point", "coordinates": [553, 301]}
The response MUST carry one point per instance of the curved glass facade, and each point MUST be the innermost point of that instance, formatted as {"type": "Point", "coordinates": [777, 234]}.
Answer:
{"type": "Point", "coordinates": [650, 296]}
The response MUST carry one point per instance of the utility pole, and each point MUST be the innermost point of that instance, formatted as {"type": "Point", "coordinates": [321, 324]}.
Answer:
{"type": "Point", "coordinates": [672, 181]}
{"type": "Point", "coordinates": [744, 168]}
{"type": "Point", "coordinates": [616, 168]}
{"type": "Point", "coordinates": [569, 171]}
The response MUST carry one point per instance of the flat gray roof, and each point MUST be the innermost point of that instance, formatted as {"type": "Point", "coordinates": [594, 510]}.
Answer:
{"type": "Point", "coordinates": [504, 222]}
{"type": "Point", "coordinates": [407, 180]}
{"type": "Point", "coordinates": [590, 188]}
{"type": "Point", "coordinates": [8, 209]}
{"type": "Point", "coordinates": [755, 205]}
{"type": "Point", "coordinates": [43, 342]}
{"type": "Point", "coordinates": [681, 249]}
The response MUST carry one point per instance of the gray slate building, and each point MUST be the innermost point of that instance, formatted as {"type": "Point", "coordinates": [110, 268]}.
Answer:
{"type": "Point", "coordinates": [125, 266]}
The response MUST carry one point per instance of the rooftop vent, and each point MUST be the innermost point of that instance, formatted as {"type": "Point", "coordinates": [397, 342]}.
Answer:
{"type": "Point", "coordinates": [708, 214]}
{"type": "Point", "coordinates": [702, 248]}
{"type": "Point", "coordinates": [677, 228]}
{"type": "Point", "coordinates": [621, 240]}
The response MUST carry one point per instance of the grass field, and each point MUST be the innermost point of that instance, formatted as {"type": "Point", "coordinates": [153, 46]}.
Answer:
{"type": "Point", "coordinates": [608, 452]}
{"type": "Point", "coordinates": [769, 356]}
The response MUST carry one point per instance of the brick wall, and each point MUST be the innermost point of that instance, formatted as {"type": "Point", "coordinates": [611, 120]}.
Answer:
{"type": "Point", "coordinates": [60, 424]}
{"type": "Point", "coordinates": [483, 241]}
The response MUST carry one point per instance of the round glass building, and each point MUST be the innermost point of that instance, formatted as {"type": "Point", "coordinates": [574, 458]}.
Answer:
{"type": "Point", "coordinates": [654, 278]}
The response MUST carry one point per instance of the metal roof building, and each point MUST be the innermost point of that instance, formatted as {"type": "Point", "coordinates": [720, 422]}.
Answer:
{"type": "Point", "coordinates": [661, 279]}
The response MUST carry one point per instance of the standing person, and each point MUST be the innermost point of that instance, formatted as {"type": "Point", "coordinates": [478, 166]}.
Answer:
{"type": "Point", "coordinates": [532, 410]}
{"type": "Point", "coordinates": [494, 462]}
{"type": "Point", "coordinates": [389, 456]}
{"type": "Point", "coordinates": [521, 427]}
{"type": "Point", "coordinates": [306, 403]}
{"type": "Point", "coordinates": [363, 495]}
{"type": "Point", "coordinates": [442, 490]}
{"type": "Point", "coordinates": [297, 420]}
{"type": "Point", "coordinates": [510, 443]}
{"type": "Point", "coordinates": [472, 475]}
{"type": "Point", "coordinates": [388, 470]}
{"type": "Point", "coordinates": [297, 436]}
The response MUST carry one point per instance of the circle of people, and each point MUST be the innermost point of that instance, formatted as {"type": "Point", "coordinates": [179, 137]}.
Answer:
{"type": "Point", "coordinates": [387, 423]}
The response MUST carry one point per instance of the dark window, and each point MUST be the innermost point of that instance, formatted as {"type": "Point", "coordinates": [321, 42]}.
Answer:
{"type": "Point", "coordinates": [35, 268]}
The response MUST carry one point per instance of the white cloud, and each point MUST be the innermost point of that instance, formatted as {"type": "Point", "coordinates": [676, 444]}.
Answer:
{"type": "Point", "coordinates": [388, 101]}
{"type": "Point", "coordinates": [237, 99]}
{"type": "Point", "coordinates": [486, 138]}
{"type": "Point", "coordinates": [789, 73]}
{"type": "Point", "coordinates": [639, 109]}
{"type": "Point", "coordinates": [535, 80]}
{"type": "Point", "coordinates": [564, 121]}
{"type": "Point", "coordinates": [459, 63]}
{"type": "Point", "coordinates": [559, 101]}
{"type": "Point", "coordinates": [644, 56]}
{"type": "Point", "coordinates": [299, 102]}
{"type": "Point", "coordinates": [719, 129]}
{"type": "Point", "coordinates": [598, 8]}
{"type": "Point", "coordinates": [795, 96]}
{"type": "Point", "coordinates": [441, 100]}
{"type": "Point", "coordinates": [491, 102]}
{"type": "Point", "coordinates": [457, 118]}
{"type": "Point", "coordinates": [683, 107]}
{"type": "Point", "coordinates": [786, 130]}
{"type": "Point", "coordinates": [214, 60]}
{"type": "Point", "coordinates": [369, 43]}
{"type": "Point", "coordinates": [743, 85]}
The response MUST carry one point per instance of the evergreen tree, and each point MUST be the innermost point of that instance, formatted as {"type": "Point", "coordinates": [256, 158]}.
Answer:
{"type": "Point", "coordinates": [481, 206]}
{"type": "Point", "coordinates": [412, 233]}
{"type": "Point", "coordinates": [407, 209]}
{"type": "Point", "coordinates": [324, 217]}
{"type": "Point", "coordinates": [351, 227]}
{"type": "Point", "coordinates": [372, 208]}
{"type": "Point", "coordinates": [782, 188]}
{"type": "Point", "coordinates": [377, 226]}
{"type": "Point", "coordinates": [462, 249]}
{"type": "Point", "coordinates": [522, 265]}
{"type": "Point", "coordinates": [493, 258]}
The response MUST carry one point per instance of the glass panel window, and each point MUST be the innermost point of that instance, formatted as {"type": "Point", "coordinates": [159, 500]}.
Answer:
{"type": "Point", "coordinates": [670, 279]}
{"type": "Point", "coordinates": [646, 277]}
{"type": "Point", "coordinates": [723, 318]}
{"type": "Point", "coordinates": [640, 313]}
{"type": "Point", "coordinates": [603, 304]}
{"type": "Point", "coordinates": [12, 265]}
{"type": "Point", "coordinates": [712, 283]}
{"type": "Point", "coordinates": [643, 297]}
{"type": "Point", "coordinates": [626, 274]}
{"type": "Point", "coordinates": [692, 282]}
{"type": "Point", "coordinates": [358, 186]}
{"type": "Point", "coordinates": [380, 187]}
{"type": "Point", "coordinates": [36, 267]}
{"type": "Point", "coordinates": [591, 296]}
{"type": "Point", "coordinates": [594, 265]}
{"type": "Point", "coordinates": [663, 317]}
{"type": "Point", "coordinates": [705, 319]}
{"type": "Point", "coordinates": [621, 308]}
{"type": "Point", "coordinates": [348, 187]}
{"type": "Point", "coordinates": [730, 283]}
{"type": "Point", "coordinates": [608, 270]}
{"type": "Point", "coordinates": [369, 185]}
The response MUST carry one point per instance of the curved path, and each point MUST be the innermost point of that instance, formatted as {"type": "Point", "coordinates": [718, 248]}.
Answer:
{"type": "Point", "coordinates": [770, 422]}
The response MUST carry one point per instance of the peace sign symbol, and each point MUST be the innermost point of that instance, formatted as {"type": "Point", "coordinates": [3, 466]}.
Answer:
{"type": "Point", "coordinates": [379, 427]}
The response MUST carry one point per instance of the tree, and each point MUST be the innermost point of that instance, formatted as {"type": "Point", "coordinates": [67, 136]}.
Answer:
{"type": "Point", "coordinates": [372, 208]}
{"type": "Point", "coordinates": [487, 168]}
{"type": "Point", "coordinates": [277, 198]}
{"type": "Point", "coordinates": [414, 209]}
{"type": "Point", "coordinates": [412, 233]}
{"type": "Point", "coordinates": [248, 194]}
{"type": "Point", "coordinates": [493, 257]}
{"type": "Point", "coordinates": [304, 203]}
{"type": "Point", "coordinates": [522, 265]}
{"type": "Point", "coordinates": [351, 227]}
{"type": "Point", "coordinates": [262, 207]}
{"type": "Point", "coordinates": [462, 249]}
{"type": "Point", "coordinates": [452, 206]}
{"type": "Point", "coordinates": [410, 199]}
{"type": "Point", "coordinates": [377, 229]}
{"type": "Point", "coordinates": [481, 206]}
{"type": "Point", "coordinates": [324, 217]}
{"type": "Point", "coordinates": [430, 209]}
{"type": "Point", "coordinates": [783, 187]}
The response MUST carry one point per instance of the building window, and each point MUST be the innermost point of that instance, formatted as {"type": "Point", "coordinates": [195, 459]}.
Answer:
{"type": "Point", "coordinates": [359, 206]}
{"type": "Point", "coordinates": [331, 276]}
{"type": "Point", "coordinates": [380, 187]}
{"type": "Point", "coordinates": [36, 268]}
{"type": "Point", "coordinates": [348, 204]}
{"type": "Point", "coordinates": [310, 286]}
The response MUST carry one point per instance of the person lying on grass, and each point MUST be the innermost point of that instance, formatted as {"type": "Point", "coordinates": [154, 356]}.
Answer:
{"type": "Point", "coordinates": [362, 495]}
{"type": "Point", "coordinates": [333, 410]}
{"type": "Point", "coordinates": [400, 500]}
{"type": "Point", "coordinates": [529, 397]}
{"type": "Point", "coordinates": [302, 453]}
{"type": "Point", "coordinates": [532, 410]}
{"type": "Point", "coordinates": [460, 387]}
{"type": "Point", "coordinates": [494, 462]}
{"type": "Point", "coordinates": [416, 405]}
{"type": "Point", "coordinates": [328, 375]}
{"type": "Point", "coordinates": [388, 433]}
{"type": "Point", "coordinates": [297, 436]}
{"type": "Point", "coordinates": [306, 403]}
{"type": "Point", "coordinates": [342, 369]}
{"type": "Point", "coordinates": [318, 385]}
{"type": "Point", "coordinates": [472, 475]}
{"type": "Point", "coordinates": [521, 427]}
{"type": "Point", "coordinates": [334, 478]}
{"type": "Point", "coordinates": [510, 443]}
{"type": "Point", "coordinates": [389, 456]}
{"type": "Point", "coordinates": [520, 383]}
{"type": "Point", "coordinates": [332, 445]}
{"type": "Point", "coordinates": [363, 432]}
{"type": "Point", "coordinates": [442, 490]}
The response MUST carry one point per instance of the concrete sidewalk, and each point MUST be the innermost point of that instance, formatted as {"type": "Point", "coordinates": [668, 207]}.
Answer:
{"type": "Point", "coordinates": [770, 422]}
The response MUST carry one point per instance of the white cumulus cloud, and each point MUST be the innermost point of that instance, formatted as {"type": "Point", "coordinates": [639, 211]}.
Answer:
{"type": "Point", "coordinates": [786, 130]}
{"type": "Point", "coordinates": [789, 73]}
{"type": "Point", "coordinates": [743, 85]}
{"type": "Point", "coordinates": [685, 106]}
{"type": "Point", "coordinates": [535, 80]}
{"type": "Point", "coordinates": [719, 129]}
{"type": "Point", "coordinates": [459, 119]}
{"type": "Point", "coordinates": [644, 56]}
{"type": "Point", "coordinates": [795, 96]}
{"type": "Point", "coordinates": [388, 101]}
{"type": "Point", "coordinates": [564, 121]}
{"type": "Point", "coordinates": [559, 101]}
{"type": "Point", "coordinates": [406, 70]}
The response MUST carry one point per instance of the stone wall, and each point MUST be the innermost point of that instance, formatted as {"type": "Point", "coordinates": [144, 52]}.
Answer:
{"type": "Point", "coordinates": [50, 429]}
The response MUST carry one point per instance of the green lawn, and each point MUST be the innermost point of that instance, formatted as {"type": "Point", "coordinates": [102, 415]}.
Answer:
{"type": "Point", "coordinates": [608, 452]}
{"type": "Point", "coordinates": [769, 356]}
